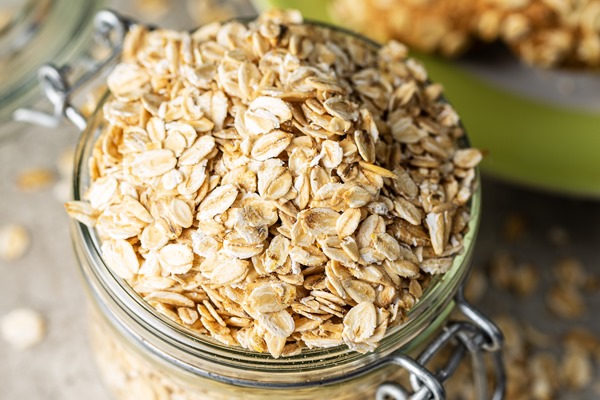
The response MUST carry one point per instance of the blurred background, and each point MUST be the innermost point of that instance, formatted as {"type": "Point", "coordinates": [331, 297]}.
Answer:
{"type": "Point", "coordinates": [522, 74]}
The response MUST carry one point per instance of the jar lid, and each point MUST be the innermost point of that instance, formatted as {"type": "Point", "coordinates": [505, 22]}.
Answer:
{"type": "Point", "coordinates": [34, 32]}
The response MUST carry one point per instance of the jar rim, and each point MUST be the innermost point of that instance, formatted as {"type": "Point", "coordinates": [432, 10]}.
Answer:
{"type": "Point", "coordinates": [168, 340]}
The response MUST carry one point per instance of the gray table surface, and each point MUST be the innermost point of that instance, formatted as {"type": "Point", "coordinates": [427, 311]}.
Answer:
{"type": "Point", "coordinates": [46, 279]}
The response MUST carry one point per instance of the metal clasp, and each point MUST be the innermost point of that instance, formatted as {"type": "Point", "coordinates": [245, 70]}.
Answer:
{"type": "Point", "coordinates": [477, 336]}
{"type": "Point", "coordinates": [109, 30]}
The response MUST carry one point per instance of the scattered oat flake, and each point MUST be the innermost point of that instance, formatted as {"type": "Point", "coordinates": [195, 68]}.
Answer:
{"type": "Point", "coordinates": [514, 228]}
{"type": "Point", "coordinates": [14, 242]}
{"type": "Point", "coordinates": [566, 302]}
{"type": "Point", "coordinates": [577, 368]}
{"type": "Point", "coordinates": [23, 328]}
{"type": "Point", "coordinates": [32, 180]}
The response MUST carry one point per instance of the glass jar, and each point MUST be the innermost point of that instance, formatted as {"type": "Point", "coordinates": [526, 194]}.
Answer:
{"type": "Point", "coordinates": [144, 355]}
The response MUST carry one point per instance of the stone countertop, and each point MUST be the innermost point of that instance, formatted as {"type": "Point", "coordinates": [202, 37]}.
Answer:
{"type": "Point", "coordinates": [47, 279]}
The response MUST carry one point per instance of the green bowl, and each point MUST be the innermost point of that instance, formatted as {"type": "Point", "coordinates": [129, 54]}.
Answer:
{"type": "Point", "coordinates": [539, 128]}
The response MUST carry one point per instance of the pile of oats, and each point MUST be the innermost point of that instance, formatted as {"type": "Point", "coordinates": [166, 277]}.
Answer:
{"type": "Point", "coordinates": [431, 26]}
{"type": "Point", "coordinates": [544, 33]}
{"type": "Point", "coordinates": [277, 185]}
{"type": "Point", "coordinates": [206, 11]}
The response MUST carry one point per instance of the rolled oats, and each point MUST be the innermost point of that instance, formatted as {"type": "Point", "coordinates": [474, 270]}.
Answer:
{"type": "Point", "coordinates": [541, 32]}
{"type": "Point", "coordinates": [426, 25]}
{"type": "Point", "coordinates": [566, 301]}
{"type": "Point", "coordinates": [277, 185]}
{"type": "Point", "coordinates": [546, 33]}
{"type": "Point", "coordinates": [35, 179]}
{"type": "Point", "coordinates": [121, 258]}
{"type": "Point", "coordinates": [545, 358]}
{"type": "Point", "coordinates": [577, 369]}
{"type": "Point", "coordinates": [23, 328]}
{"type": "Point", "coordinates": [14, 242]}
{"type": "Point", "coordinates": [360, 323]}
